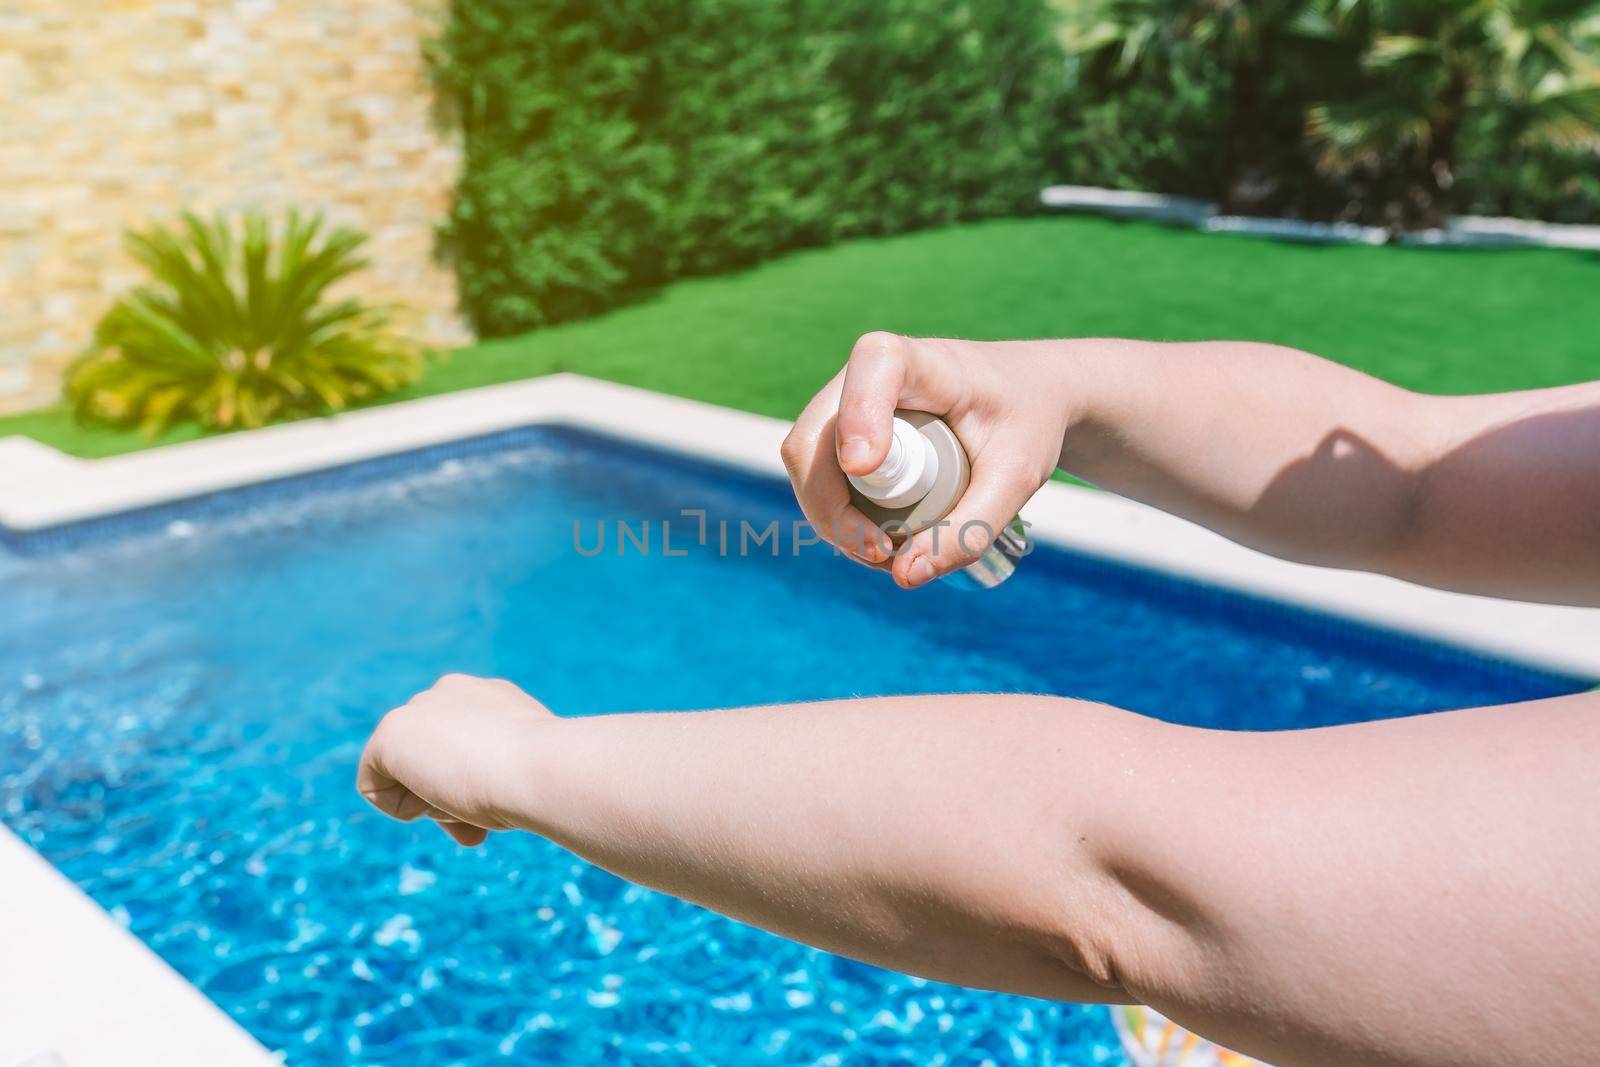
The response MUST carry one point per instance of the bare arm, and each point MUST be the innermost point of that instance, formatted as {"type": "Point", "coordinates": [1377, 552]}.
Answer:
{"type": "Point", "coordinates": [1275, 448]}
{"type": "Point", "coordinates": [1310, 460]}
{"type": "Point", "coordinates": [1417, 892]}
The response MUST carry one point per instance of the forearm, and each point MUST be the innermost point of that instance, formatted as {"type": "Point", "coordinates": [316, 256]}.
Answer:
{"type": "Point", "coordinates": [956, 838]}
{"type": "Point", "coordinates": [1269, 446]}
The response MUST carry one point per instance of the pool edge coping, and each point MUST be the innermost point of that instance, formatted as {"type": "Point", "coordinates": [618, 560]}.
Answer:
{"type": "Point", "coordinates": [41, 488]}
{"type": "Point", "coordinates": [77, 986]}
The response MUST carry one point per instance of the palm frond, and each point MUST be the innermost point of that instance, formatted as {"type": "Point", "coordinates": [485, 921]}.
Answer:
{"type": "Point", "coordinates": [1436, 67]}
{"type": "Point", "coordinates": [1388, 49]}
{"type": "Point", "coordinates": [1349, 132]}
{"type": "Point", "coordinates": [1564, 114]}
{"type": "Point", "coordinates": [236, 328]}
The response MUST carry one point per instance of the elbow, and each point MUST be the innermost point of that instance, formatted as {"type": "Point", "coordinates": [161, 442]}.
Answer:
{"type": "Point", "coordinates": [1137, 943]}
{"type": "Point", "coordinates": [1088, 873]}
{"type": "Point", "coordinates": [1369, 494]}
{"type": "Point", "coordinates": [1403, 545]}
{"type": "Point", "coordinates": [1137, 921]}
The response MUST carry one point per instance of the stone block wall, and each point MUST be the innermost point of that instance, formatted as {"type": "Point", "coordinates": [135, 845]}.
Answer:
{"type": "Point", "coordinates": [114, 112]}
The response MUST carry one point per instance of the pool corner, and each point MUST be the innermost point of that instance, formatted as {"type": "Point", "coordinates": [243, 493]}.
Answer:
{"type": "Point", "coordinates": [77, 990]}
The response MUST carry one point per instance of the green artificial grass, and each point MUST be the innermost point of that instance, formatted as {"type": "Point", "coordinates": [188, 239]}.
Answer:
{"type": "Point", "coordinates": [1447, 321]}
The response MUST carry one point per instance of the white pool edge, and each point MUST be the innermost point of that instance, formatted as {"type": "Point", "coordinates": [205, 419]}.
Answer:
{"type": "Point", "coordinates": [41, 488]}
{"type": "Point", "coordinates": [78, 990]}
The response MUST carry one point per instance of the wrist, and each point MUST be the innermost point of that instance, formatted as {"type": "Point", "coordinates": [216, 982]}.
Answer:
{"type": "Point", "coordinates": [538, 764]}
{"type": "Point", "coordinates": [1088, 371]}
{"type": "Point", "coordinates": [567, 785]}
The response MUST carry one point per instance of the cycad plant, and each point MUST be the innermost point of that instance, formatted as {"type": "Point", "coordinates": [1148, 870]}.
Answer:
{"type": "Point", "coordinates": [1526, 72]}
{"type": "Point", "coordinates": [236, 328]}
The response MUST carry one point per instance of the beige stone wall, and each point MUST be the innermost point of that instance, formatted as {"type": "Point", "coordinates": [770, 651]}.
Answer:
{"type": "Point", "coordinates": [113, 112]}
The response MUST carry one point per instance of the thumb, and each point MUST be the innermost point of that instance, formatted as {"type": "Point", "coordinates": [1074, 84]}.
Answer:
{"type": "Point", "coordinates": [991, 501]}
{"type": "Point", "coordinates": [871, 391]}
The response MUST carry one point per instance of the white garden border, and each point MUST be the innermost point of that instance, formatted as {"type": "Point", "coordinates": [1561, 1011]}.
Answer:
{"type": "Point", "coordinates": [73, 984]}
{"type": "Point", "coordinates": [1460, 231]}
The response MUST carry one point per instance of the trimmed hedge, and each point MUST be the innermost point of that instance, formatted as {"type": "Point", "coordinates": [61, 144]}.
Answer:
{"type": "Point", "coordinates": [1162, 131]}
{"type": "Point", "coordinates": [613, 145]}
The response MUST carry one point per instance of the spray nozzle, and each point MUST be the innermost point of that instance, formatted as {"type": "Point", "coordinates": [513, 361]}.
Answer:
{"type": "Point", "coordinates": [906, 474]}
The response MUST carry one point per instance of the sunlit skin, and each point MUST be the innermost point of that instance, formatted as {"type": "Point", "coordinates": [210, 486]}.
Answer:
{"type": "Point", "coordinates": [1423, 891]}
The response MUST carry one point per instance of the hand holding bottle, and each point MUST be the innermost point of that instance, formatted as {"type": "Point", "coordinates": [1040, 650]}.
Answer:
{"type": "Point", "coordinates": [1004, 401]}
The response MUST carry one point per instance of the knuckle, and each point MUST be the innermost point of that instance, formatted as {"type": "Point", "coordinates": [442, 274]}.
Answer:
{"type": "Point", "coordinates": [792, 450]}
{"type": "Point", "coordinates": [877, 346]}
{"type": "Point", "coordinates": [457, 681]}
{"type": "Point", "coordinates": [959, 543]}
{"type": "Point", "coordinates": [972, 540]}
{"type": "Point", "coordinates": [381, 735]}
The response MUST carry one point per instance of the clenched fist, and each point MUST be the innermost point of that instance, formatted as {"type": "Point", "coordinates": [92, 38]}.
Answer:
{"type": "Point", "coordinates": [460, 753]}
{"type": "Point", "coordinates": [1008, 402]}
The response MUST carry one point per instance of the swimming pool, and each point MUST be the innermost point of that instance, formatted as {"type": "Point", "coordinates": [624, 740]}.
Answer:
{"type": "Point", "coordinates": [184, 692]}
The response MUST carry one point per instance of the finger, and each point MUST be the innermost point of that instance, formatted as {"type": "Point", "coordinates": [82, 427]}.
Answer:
{"type": "Point", "coordinates": [993, 498]}
{"type": "Point", "coordinates": [395, 800]}
{"type": "Point", "coordinates": [465, 833]}
{"type": "Point", "coordinates": [872, 382]}
{"type": "Point", "coordinates": [383, 790]}
{"type": "Point", "coordinates": [820, 486]}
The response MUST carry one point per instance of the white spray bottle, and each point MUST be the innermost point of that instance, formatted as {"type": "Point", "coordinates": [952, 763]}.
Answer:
{"type": "Point", "coordinates": [918, 484]}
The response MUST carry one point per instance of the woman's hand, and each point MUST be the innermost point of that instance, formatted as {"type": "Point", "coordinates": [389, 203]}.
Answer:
{"type": "Point", "coordinates": [460, 753]}
{"type": "Point", "coordinates": [1005, 401]}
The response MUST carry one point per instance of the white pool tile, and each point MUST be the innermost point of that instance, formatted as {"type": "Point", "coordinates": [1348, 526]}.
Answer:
{"type": "Point", "coordinates": [77, 987]}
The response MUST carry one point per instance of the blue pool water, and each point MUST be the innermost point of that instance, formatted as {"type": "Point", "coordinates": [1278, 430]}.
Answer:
{"type": "Point", "coordinates": [184, 692]}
